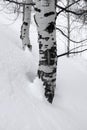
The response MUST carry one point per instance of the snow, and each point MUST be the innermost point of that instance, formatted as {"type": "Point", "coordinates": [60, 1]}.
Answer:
{"type": "Point", "coordinates": [22, 103]}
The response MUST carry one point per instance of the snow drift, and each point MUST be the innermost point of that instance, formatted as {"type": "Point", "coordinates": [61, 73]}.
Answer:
{"type": "Point", "coordinates": [22, 104]}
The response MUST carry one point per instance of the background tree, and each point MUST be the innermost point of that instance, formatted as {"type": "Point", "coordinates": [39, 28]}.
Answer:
{"type": "Point", "coordinates": [76, 10]}
{"type": "Point", "coordinates": [26, 25]}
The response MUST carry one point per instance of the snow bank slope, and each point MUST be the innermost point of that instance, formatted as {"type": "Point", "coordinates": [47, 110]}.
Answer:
{"type": "Point", "coordinates": [23, 109]}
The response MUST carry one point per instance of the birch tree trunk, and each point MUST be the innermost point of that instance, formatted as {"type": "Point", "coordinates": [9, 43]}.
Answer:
{"type": "Point", "coordinates": [45, 20]}
{"type": "Point", "coordinates": [26, 25]}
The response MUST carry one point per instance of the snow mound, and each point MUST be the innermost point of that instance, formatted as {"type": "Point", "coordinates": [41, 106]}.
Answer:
{"type": "Point", "coordinates": [36, 89]}
{"type": "Point", "coordinates": [21, 94]}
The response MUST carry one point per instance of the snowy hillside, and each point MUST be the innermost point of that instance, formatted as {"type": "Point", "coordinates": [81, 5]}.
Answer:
{"type": "Point", "coordinates": [22, 104]}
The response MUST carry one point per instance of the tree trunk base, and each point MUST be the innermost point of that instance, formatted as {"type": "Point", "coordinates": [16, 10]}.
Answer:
{"type": "Point", "coordinates": [49, 95]}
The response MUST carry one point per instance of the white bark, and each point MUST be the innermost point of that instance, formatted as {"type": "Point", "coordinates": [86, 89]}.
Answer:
{"type": "Point", "coordinates": [45, 20]}
{"type": "Point", "coordinates": [26, 26]}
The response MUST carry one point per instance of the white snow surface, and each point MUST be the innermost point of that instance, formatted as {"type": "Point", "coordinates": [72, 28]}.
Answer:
{"type": "Point", "coordinates": [22, 103]}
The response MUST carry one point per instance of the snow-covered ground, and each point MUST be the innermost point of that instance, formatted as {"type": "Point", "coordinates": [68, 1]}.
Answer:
{"type": "Point", "coordinates": [22, 104]}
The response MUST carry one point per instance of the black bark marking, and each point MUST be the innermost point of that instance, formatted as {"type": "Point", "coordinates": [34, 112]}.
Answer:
{"type": "Point", "coordinates": [46, 46]}
{"type": "Point", "coordinates": [49, 88]}
{"type": "Point", "coordinates": [51, 27]}
{"type": "Point", "coordinates": [54, 43]}
{"type": "Point", "coordinates": [25, 23]}
{"type": "Point", "coordinates": [53, 80]}
{"type": "Point", "coordinates": [44, 38]}
{"type": "Point", "coordinates": [40, 74]}
{"type": "Point", "coordinates": [40, 45]}
{"type": "Point", "coordinates": [27, 7]}
{"type": "Point", "coordinates": [49, 56]}
{"type": "Point", "coordinates": [35, 21]}
{"type": "Point", "coordinates": [49, 94]}
{"type": "Point", "coordinates": [54, 71]}
{"type": "Point", "coordinates": [38, 10]}
{"type": "Point", "coordinates": [29, 46]}
{"type": "Point", "coordinates": [50, 75]}
{"type": "Point", "coordinates": [48, 14]}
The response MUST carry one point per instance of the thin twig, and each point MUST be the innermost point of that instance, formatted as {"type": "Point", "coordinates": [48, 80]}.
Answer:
{"type": "Point", "coordinates": [20, 3]}
{"type": "Point", "coordinates": [70, 38]}
{"type": "Point", "coordinates": [64, 54]}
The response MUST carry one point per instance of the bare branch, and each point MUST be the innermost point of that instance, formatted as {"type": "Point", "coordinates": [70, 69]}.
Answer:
{"type": "Point", "coordinates": [20, 3]}
{"type": "Point", "coordinates": [64, 54]}
{"type": "Point", "coordinates": [70, 38]}
{"type": "Point", "coordinates": [65, 9]}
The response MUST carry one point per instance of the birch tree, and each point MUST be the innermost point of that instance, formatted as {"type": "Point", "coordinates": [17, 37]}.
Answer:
{"type": "Point", "coordinates": [46, 26]}
{"type": "Point", "coordinates": [26, 25]}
